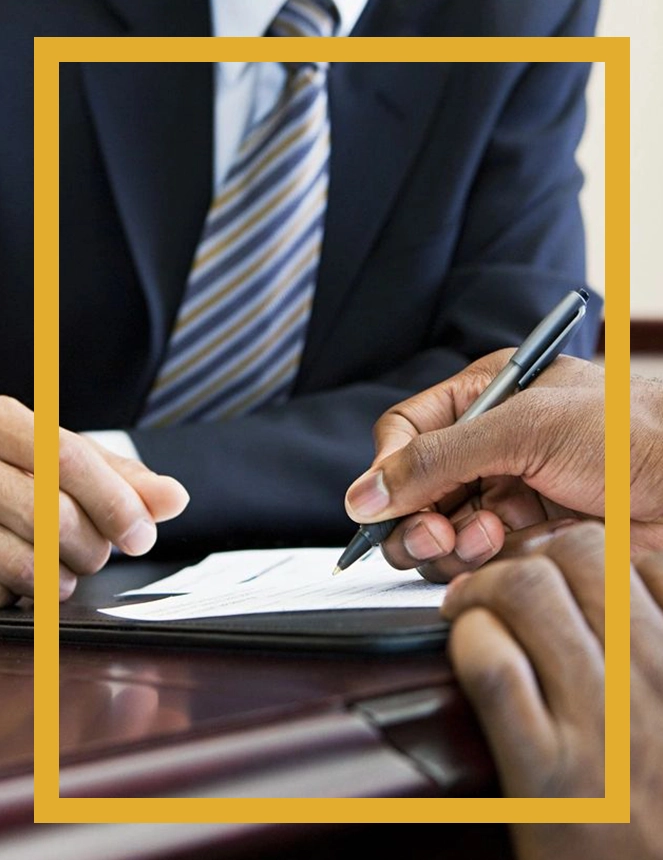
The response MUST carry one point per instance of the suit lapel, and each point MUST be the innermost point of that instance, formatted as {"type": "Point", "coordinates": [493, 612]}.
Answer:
{"type": "Point", "coordinates": [157, 149]}
{"type": "Point", "coordinates": [379, 113]}
{"type": "Point", "coordinates": [154, 125]}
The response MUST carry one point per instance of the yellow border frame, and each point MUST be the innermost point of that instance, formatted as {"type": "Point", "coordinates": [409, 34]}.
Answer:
{"type": "Point", "coordinates": [49, 807]}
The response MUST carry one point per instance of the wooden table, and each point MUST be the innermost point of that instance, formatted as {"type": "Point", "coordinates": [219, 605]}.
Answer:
{"type": "Point", "coordinates": [196, 722]}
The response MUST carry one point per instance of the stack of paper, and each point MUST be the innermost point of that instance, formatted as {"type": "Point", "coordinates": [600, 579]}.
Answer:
{"type": "Point", "coordinates": [281, 580]}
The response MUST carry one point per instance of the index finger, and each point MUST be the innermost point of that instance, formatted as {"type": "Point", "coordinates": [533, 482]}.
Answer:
{"type": "Point", "coordinates": [111, 503]}
{"type": "Point", "coordinates": [533, 599]}
{"type": "Point", "coordinates": [437, 407]}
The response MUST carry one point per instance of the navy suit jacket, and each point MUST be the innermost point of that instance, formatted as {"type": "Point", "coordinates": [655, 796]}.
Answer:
{"type": "Point", "coordinates": [452, 227]}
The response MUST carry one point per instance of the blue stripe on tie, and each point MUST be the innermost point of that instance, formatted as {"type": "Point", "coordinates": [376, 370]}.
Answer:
{"type": "Point", "coordinates": [224, 315]}
{"type": "Point", "coordinates": [302, 17]}
{"type": "Point", "coordinates": [242, 385]}
{"type": "Point", "coordinates": [241, 344]}
{"type": "Point", "coordinates": [242, 323]}
{"type": "Point", "coordinates": [245, 238]}
{"type": "Point", "coordinates": [222, 219]}
{"type": "Point", "coordinates": [263, 279]}
{"type": "Point", "coordinates": [278, 309]}
{"type": "Point", "coordinates": [245, 204]}
{"type": "Point", "coordinates": [303, 175]}
{"type": "Point", "coordinates": [246, 377]}
{"type": "Point", "coordinates": [224, 320]}
{"type": "Point", "coordinates": [226, 268]}
{"type": "Point", "coordinates": [218, 364]}
{"type": "Point", "coordinates": [288, 119]}
{"type": "Point", "coordinates": [274, 229]}
{"type": "Point", "coordinates": [245, 293]}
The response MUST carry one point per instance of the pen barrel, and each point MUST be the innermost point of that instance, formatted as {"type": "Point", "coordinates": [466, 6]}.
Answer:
{"type": "Point", "coordinates": [365, 537]}
{"type": "Point", "coordinates": [377, 532]}
{"type": "Point", "coordinates": [534, 354]}
{"type": "Point", "coordinates": [550, 329]}
{"type": "Point", "coordinates": [496, 392]}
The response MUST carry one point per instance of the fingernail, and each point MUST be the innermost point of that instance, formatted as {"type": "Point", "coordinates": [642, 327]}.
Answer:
{"type": "Point", "coordinates": [472, 541]}
{"type": "Point", "coordinates": [368, 496]}
{"type": "Point", "coordinates": [564, 526]}
{"type": "Point", "coordinates": [421, 543]}
{"type": "Point", "coordinates": [139, 538]}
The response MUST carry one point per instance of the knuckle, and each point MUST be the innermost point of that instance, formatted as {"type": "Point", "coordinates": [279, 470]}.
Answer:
{"type": "Point", "coordinates": [392, 432]}
{"type": "Point", "coordinates": [19, 569]}
{"type": "Point", "coordinates": [17, 428]}
{"type": "Point", "coordinates": [495, 682]}
{"type": "Point", "coordinates": [97, 556]}
{"type": "Point", "coordinates": [71, 454]}
{"type": "Point", "coordinates": [423, 457]}
{"type": "Point", "coordinates": [25, 571]}
{"type": "Point", "coordinates": [116, 517]}
{"type": "Point", "coordinates": [10, 406]}
{"type": "Point", "coordinates": [69, 519]}
{"type": "Point", "coordinates": [28, 508]}
{"type": "Point", "coordinates": [524, 581]}
{"type": "Point", "coordinates": [586, 540]}
{"type": "Point", "coordinates": [491, 680]}
{"type": "Point", "coordinates": [590, 531]}
{"type": "Point", "coordinates": [17, 492]}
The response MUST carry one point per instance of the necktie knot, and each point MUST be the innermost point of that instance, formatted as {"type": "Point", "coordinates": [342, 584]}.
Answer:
{"type": "Point", "coordinates": [237, 342]}
{"type": "Point", "coordinates": [306, 18]}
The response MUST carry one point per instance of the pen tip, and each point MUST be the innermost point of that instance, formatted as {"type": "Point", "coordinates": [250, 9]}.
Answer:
{"type": "Point", "coordinates": [336, 570]}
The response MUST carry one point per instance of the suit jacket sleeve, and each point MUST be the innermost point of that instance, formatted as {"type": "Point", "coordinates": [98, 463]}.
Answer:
{"type": "Point", "coordinates": [279, 476]}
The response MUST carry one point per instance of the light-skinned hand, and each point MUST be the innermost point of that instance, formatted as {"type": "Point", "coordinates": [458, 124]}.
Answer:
{"type": "Point", "coordinates": [105, 500]}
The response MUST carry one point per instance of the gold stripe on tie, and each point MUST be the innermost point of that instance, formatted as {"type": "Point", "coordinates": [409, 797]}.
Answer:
{"type": "Point", "coordinates": [226, 196]}
{"type": "Point", "coordinates": [255, 267]}
{"type": "Point", "coordinates": [239, 334]}
{"type": "Point", "coordinates": [216, 384]}
{"type": "Point", "coordinates": [229, 240]}
{"type": "Point", "coordinates": [241, 323]}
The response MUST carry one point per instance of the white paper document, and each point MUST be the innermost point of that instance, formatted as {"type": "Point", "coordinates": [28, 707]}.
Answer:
{"type": "Point", "coordinates": [280, 580]}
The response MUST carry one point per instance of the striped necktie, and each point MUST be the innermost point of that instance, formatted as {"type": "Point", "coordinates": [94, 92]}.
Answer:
{"type": "Point", "coordinates": [240, 330]}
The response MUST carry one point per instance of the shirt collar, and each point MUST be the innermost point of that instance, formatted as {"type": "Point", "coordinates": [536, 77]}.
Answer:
{"type": "Point", "coordinates": [242, 18]}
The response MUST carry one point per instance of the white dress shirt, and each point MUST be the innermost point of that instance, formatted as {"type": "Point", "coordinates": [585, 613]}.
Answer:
{"type": "Point", "coordinates": [243, 93]}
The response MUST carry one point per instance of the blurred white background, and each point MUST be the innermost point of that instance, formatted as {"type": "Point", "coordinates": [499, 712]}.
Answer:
{"type": "Point", "coordinates": [642, 21]}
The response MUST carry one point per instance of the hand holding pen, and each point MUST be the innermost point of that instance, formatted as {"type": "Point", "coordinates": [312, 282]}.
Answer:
{"type": "Point", "coordinates": [369, 497]}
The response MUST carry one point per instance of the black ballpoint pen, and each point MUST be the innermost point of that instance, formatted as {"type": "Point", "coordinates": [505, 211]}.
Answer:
{"type": "Point", "coordinates": [536, 352]}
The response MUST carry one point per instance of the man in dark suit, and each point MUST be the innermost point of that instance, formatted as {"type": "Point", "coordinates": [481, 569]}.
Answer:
{"type": "Point", "coordinates": [452, 226]}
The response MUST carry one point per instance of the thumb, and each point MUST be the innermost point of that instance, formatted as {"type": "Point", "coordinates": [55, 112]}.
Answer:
{"type": "Point", "coordinates": [433, 466]}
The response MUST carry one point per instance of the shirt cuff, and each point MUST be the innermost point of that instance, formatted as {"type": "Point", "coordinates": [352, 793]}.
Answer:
{"type": "Point", "coordinates": [116, 441]}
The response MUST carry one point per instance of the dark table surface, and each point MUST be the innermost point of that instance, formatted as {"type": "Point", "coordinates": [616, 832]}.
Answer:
{"type": "Point", "coordinates": [215, 722]}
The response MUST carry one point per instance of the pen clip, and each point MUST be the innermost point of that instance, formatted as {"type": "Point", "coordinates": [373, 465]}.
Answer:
{"type": "Point", "coordinates": [552, 351]}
